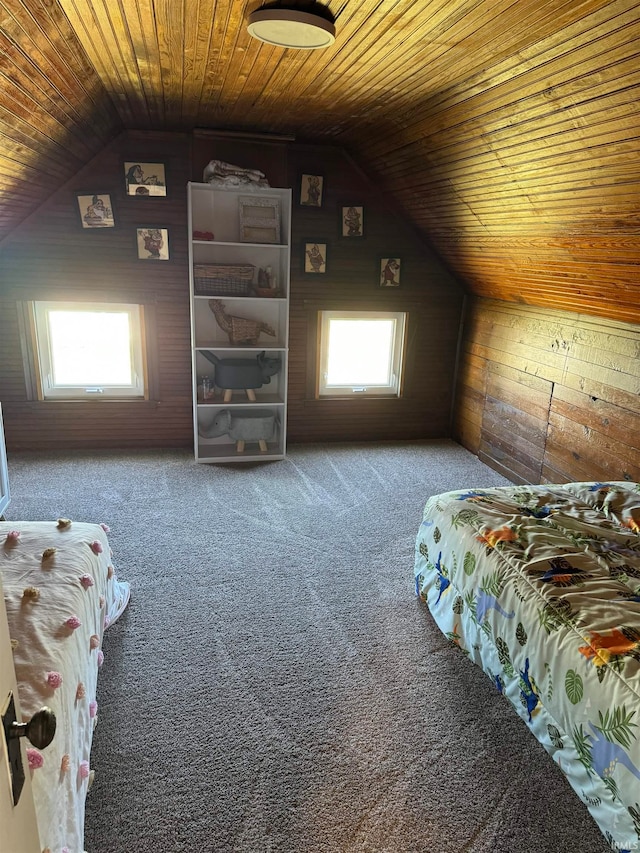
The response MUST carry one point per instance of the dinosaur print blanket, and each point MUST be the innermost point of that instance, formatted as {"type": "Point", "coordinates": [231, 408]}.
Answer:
{"type": "Point", "coordinates": [540, 586]}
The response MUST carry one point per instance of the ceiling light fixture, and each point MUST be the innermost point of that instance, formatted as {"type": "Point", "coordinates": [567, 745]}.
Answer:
{"type": "Point", "coordinates": [291, 28]}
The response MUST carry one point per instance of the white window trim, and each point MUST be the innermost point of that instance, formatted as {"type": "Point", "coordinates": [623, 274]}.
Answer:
{"type": "Point", "coordinates": [394, 387]}
{"type": "Point", "coordinates": [50, 391]}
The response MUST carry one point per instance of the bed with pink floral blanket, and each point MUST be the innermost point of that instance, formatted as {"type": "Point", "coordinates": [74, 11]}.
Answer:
{"type": "Point", "coordinates": [540, 586]}
{"type": "Point", "coordinates": [61, 593]}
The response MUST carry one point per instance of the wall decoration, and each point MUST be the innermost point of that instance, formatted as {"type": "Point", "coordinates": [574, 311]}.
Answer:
{"type": "Point", "coordinates": [145, 179]}
{"type": "Point", "coordinates": [311, 190]}
{"type": "Point", "coordinates": [259, 219]}
{"type": "Point", "coordinates": [96, 210]}
{"type": "Point", "coordinates": [352, 221]}
{"type": "Point", "coordinates": [389, 272]}
{"type": "Point", "coordinates": [153, 244]}
{"type": "Point", "coordinates": [315, 258]}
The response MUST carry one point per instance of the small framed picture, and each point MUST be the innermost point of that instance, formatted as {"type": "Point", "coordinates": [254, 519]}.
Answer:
{"type": "Point", "coordinates": [315, 258]}
{"type": "Point", "coordinates": [145, 179]}
{"type": "Point", "coordinates": [352, 220]}
{"type": "Point", "coordinates": [311, 190]}
{"type": "Point", "coordinates": [96, 210]}
{"type": "Point", "coordinates": [153, 244]}
{"type": "Point", "coordinates": [389, 270]}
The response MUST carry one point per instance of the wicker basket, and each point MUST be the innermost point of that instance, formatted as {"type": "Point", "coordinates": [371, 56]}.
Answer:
{"type": "Point", "coordinates": [223, 279]}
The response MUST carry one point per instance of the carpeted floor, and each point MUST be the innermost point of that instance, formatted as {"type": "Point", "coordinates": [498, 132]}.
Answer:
{"type": "Point", "coordinates": [275, 686]}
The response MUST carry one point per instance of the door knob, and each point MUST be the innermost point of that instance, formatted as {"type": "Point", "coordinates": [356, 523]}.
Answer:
{"type": "Point", "coordinates": [40, 729]}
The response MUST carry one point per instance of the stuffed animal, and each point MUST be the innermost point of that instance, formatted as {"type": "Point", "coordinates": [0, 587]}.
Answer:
{"type": "Point", "coordinates": [242, 426]}
{"type": "Point", "coordinates": [243, 373]}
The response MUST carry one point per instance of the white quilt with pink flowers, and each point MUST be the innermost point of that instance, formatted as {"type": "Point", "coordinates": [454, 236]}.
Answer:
{"type": "Point", "coordinates": [61, 593]}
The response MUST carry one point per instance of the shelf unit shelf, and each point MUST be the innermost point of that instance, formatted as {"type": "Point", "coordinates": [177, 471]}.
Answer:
{"type": "Point", "coordinates": [218, 211]}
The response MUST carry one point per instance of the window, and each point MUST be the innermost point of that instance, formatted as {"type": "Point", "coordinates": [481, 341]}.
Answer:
{"type": "Point", "coordinates": [361, 353]}
{"type": "Point", "coordinates": [89, 350]}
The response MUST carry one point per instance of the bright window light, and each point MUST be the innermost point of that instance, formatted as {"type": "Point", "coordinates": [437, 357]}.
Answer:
{"type": "Point", "coordinates": [360, 352]}
{"type": "Point", "coordinates": [89, 350]}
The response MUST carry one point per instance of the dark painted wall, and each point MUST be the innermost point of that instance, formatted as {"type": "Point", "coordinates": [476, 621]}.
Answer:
{"type": "Point", "coordinates": [51, 256]}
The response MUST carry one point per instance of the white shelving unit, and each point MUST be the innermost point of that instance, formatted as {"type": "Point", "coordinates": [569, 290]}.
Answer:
{"type": "Point", "coordinates": [217, 211]}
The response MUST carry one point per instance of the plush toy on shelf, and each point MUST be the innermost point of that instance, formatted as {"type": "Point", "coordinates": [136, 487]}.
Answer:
{"type": "Point", "coordinates": [243, 374]}
{"type": "Point", "coordinates": [242, 427]}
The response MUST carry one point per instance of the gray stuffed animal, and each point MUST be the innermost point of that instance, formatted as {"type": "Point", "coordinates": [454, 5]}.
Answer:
{"type": "Point", "coordinates": [243, 373]}
{"type": "Point", "coordinates": [242, 426]}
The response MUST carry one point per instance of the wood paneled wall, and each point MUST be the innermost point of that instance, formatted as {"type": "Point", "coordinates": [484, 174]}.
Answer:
{"type": "Point", "coordinates": [548, 396]}
{"type": "Point", "coordinates": [51, 256]}
{"type": "Point", "coordinates": [430, 295]}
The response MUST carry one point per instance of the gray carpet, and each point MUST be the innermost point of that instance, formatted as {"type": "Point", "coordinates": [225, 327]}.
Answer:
{"type": "Point", "coordinates": [275, 686]}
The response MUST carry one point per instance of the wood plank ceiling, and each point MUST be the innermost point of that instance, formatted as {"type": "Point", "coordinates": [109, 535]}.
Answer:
{"type": "Point", "coordinates": [508, 131]}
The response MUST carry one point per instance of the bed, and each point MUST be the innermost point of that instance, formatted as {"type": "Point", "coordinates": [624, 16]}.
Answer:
{"type": "Point", "coordinates": [61, 592]}
{"type": "Point", "coordinates": [540, 586]}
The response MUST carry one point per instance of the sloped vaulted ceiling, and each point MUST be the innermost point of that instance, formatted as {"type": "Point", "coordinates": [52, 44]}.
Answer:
{"type": "Point", "coordinates": [508, 131]}
{"type": "Point", "coordinates": [54, 113]}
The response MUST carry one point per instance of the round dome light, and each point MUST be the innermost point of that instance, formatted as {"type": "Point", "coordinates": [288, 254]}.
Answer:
{"type": "Point", "coordinates": [290, 28]}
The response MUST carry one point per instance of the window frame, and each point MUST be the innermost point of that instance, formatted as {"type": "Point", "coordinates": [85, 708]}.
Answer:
{"type": "Point", "coordinates": [391, 390]}
{"type": "Point", "coordinates": [47, 391]}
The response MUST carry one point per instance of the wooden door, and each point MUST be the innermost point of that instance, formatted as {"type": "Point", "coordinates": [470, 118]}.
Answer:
{"type": "Point", "coordinates": [18, 825]}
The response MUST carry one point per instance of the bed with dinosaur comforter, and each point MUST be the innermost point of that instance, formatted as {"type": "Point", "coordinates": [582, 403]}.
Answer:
{"type": "Point", "coordinates": [540, 586]}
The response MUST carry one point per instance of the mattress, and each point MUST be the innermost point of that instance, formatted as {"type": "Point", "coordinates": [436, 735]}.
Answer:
{"type": "Point", "coordinates": [61, 593]}
{"type": "Point", "coordinates": [540, 586]}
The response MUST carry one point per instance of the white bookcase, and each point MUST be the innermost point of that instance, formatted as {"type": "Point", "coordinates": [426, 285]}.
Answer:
{"type": "Point", "coordinates": [227, 215]}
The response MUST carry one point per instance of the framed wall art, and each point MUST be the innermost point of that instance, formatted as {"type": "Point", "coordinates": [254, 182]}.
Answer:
{"type": "Point", "coordinates": [311, 190]}
{"type": "Point", "coordinates": [315, 258]}
{"type": "Point", "coordinates": [352, 220]}
{"type": "Point", "coordinates": [145, 179]}
{"type": "Point", "coordinates": [389, 270]}
{"type": "Point", "coordinates": [153, 243]}
{"type": "Point", "coordinates": [96, 210]}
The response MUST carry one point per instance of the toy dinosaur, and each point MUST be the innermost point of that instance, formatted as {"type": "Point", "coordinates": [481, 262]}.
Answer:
{"type": "Point", "coordinates": [241, 331]}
